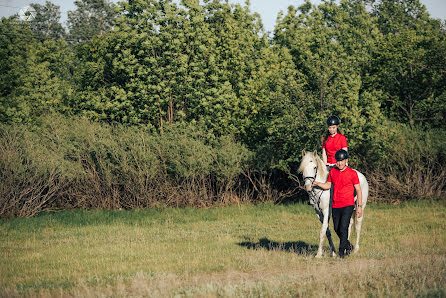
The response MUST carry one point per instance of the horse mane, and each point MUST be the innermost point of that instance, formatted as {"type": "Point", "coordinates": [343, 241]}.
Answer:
{"type": "Point", "coordinates": [310, 156]}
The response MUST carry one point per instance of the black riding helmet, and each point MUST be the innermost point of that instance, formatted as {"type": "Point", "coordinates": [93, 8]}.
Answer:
{"type": "Point", "coordinates": [341, 155]}
{"type": "Point", "coordinates": [333, 120]}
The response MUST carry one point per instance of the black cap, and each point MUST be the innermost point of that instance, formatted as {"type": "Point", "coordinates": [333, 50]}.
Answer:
{"type": "Point", "coordinates": [341, 155]}
{"type": "Point", "coordinates": [333, 120]}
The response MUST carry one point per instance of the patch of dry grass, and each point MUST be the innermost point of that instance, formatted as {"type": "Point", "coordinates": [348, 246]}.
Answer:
{"type": "Point", "coordinates": [261, 250]}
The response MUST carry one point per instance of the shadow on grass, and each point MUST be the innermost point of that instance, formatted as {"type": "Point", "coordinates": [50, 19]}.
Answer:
{"type": "Point", "coordinates": [298, 247]}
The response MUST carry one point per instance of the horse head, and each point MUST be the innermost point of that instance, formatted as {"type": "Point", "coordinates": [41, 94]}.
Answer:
{"type": "Point", "coordinates": [311, 168]}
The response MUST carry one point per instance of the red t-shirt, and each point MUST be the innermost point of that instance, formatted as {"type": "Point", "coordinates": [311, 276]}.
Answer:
{"type": "Point", "coordinates": [334, 144]}
{"type": "Point", "coordinates": [343, 189]}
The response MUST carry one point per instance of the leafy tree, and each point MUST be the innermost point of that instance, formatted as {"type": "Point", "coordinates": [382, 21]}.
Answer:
{"type": "Point", "coordinates": [91, 18]}
{"type": "Point", "coordinates": [332, 46]}
{"type": "Point", "coordinates": [36, 76]}
{"type": "Point", "coordinates": [45, 84]}
{"type": "Point", "coordinates": [46, 23]}
{"type": "Point", "coordinates": [395, 16]}
{"type": "Point", "coordinates": [278, 108]}
{"type": "Point", "coordinates": [236, 42]}
{"type": "Point", "coordinates": [166, 62]}
{"type": "Point", "coordinates": [408, 66]}
{"type": "Point", "coordinates": [16, 39]}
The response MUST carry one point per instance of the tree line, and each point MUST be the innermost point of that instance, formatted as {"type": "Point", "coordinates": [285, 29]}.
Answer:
{"type": "Point", "coordinates": [161, 65]}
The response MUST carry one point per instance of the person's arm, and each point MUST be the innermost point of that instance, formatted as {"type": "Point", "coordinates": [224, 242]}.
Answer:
{"type": "Point", "coordinates": [324, 156]}
{"type": "Point", "coordinates": [323, 185]}
{"type": "Point", "coordinates": [344, 144]}
{"type": "Point", "coordinates": [359, 200]}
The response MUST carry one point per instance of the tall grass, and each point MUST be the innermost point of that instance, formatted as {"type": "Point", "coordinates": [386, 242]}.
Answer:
{"type": "Point", "coordinates": [246, 250]}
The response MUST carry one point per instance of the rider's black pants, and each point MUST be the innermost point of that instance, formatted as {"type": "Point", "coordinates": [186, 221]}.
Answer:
{"type": "Point", "coordinates": [341, 221]}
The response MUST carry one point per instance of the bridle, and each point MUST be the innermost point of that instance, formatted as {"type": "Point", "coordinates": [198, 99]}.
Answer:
{"type": "Point", "coordinates": [314, 177]}
{"type": "Point", "coordinates": [313, 192]}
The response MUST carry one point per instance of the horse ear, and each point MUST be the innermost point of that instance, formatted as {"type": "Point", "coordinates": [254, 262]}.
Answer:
{"type": "Point", "coordinates": [303, 152]}
{"type": "Point", "coordinates": [315, 153]}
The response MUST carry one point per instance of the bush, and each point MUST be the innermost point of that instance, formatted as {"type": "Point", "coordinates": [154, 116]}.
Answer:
{"type": "Point", "coordinates": [409, 163]}
{"type": "Point", "coordinates": [76, 163]}
{"type": "Point", "coordinates": [66, 163]}
{"type": "Point", "coordinates": [33, 174]}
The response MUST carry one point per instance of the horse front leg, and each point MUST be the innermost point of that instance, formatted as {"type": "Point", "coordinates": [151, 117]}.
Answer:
{"type": "Point", "coordinates": [330, 242]}
{"type": "Point", "coordinates": [324, 219]}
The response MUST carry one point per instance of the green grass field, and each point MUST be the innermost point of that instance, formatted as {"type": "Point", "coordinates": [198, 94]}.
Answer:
{"type": "Point", "coordinates": [264, 250]}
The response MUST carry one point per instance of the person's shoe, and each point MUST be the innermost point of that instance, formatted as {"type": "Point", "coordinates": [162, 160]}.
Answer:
{"type": "Point", "coordinates": [349, 249]}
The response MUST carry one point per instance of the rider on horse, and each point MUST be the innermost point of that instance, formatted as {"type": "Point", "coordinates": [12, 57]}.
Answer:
{"type": "Point", "coordinates": [333, 141]}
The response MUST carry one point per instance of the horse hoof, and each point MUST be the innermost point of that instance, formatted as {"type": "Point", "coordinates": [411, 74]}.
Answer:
{"type": "Point", "coordinates": [318, 256]}
{"type": "Point", "coordinates": [356, 250]}
{"type": "Point", "coordinates": [333, 254]}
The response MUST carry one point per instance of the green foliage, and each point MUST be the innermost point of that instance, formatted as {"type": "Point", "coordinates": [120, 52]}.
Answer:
{"type": "Point", "coordinates": [166, 62]}
{"type": "Point", "coordinates": [408, 65]}
{"type": "Point", "coordinates": [40, 81]}
{"type": "Point", "coordinates": [46, 22]}
{"type": "Point", "coordinates": [277, 130]}
{"type": "Point", "coordinates": [15, 42]}
{"type": "Point", "coordinates": [416, 147]}
{"type": "Point", "coordinates": [408, 162]}
{"type": "Point", "coordinates": [91, 18]}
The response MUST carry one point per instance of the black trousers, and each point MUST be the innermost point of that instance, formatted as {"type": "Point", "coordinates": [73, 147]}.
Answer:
{"type": "Point", "coordinates": [341, 221]}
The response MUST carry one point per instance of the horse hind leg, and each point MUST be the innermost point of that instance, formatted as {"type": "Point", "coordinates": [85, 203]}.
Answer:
{"type": "Point", "coordinates": [350, 227]}
{"type": "Point", "coordinates": [358, 226]}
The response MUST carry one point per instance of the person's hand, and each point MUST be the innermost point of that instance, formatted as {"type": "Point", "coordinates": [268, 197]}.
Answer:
{"type": "Point", "coordinates": [359, 212]}
{"type": "Point", "coordinates": [315, 183]}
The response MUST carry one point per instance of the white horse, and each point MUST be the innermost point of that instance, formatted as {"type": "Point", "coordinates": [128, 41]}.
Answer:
{"type": "Point", "coordinates": [313, 169]}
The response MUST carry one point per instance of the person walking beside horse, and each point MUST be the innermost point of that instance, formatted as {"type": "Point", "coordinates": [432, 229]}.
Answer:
{"type": "Point", "coordinates": [345, 181]}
